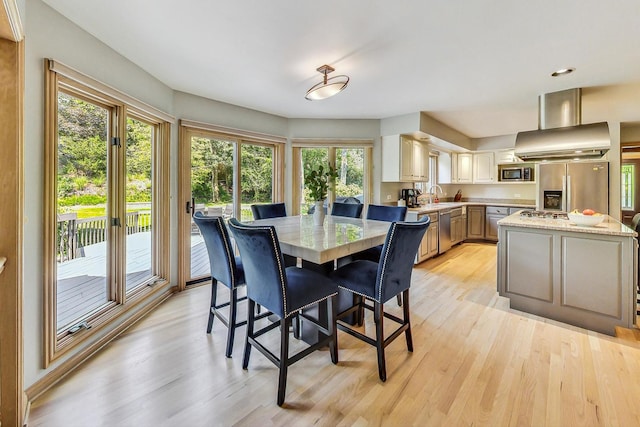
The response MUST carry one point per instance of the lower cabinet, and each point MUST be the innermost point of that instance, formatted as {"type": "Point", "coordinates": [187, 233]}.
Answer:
{"type": "Point", "coordinates": [581, 278]}
{"type": "Point", "coordinates": [493, 215]}
{"type": "Point", "coordinates": [458, 227]}
{"type": "Point", "coordinates": [475, 222]}
{"type": "Point", "coordinates": [429, 245]}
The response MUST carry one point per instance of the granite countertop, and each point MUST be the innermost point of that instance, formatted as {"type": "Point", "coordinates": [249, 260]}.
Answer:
{"type": "Point", "coordinates": [434, 207]}
{"type": "Point", "coordinates": [609, 226]}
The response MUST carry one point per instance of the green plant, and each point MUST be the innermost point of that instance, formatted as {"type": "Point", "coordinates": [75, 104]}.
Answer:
{"type": "Point", "coordinates": [317, 181]}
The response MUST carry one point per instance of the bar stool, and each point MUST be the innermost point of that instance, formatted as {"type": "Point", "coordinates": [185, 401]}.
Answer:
{"type": "Point", "coordinates": [380, 282]}
{"type": "Point", "coordinates": [226, 268]}
{"type": "Point", "coordinates": [284, 292]}
{"type": "Point", "coordinates": [351, 210]}
{"type": "Point", "coordinates": [268, 210]}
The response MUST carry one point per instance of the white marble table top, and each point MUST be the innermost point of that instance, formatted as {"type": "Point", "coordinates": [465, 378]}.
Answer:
{"type": "Point", "coordinates": [338, 237]}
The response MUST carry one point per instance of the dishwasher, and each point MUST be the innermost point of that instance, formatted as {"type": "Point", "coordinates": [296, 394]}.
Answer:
{"type": "Point", "coordinates": [444, 232]}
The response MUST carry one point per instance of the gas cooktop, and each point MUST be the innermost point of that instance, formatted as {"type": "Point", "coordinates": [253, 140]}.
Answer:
{"type": "Point", "coordinates": [544, 214]}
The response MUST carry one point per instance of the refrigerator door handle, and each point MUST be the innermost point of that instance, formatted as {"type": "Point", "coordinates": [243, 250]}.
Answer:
{"type": "Point", "coordinates": [568, 200]}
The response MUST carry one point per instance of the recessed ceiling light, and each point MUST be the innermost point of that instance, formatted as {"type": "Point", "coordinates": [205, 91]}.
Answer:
{"type": "Point", "coordinates": [562, 72]}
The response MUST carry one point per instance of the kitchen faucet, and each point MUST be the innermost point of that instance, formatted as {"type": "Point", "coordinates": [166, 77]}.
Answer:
{"type": "Point", "coordinates": [436, 186]}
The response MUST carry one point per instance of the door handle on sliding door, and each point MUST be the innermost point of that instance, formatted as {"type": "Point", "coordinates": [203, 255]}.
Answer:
{"type": "Point", "coordinates": [191, 206]}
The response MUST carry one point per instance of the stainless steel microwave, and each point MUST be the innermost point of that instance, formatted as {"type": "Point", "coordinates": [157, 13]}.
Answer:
{"type": "Point", "coordinates": [512, 173]}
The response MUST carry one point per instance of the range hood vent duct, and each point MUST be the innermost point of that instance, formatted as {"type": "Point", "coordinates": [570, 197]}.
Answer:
{"type": "Point", "coordinates": [560, 134]}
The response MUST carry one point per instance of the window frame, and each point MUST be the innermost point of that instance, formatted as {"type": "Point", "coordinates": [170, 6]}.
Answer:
{"type": "Point", "coordinates": [60, 78]}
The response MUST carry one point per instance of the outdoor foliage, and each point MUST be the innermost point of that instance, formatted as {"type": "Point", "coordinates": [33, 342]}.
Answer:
{"type": "Point", "coordinates": [212, 172]}
{"type": "Point", "coordinates": [82, 154]}
{"type": "Point", "coordinates": [349, 168]}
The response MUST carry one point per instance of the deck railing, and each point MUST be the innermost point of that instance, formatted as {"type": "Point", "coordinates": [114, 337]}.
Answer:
{"type": "Point", "coordinates": [74, 234]}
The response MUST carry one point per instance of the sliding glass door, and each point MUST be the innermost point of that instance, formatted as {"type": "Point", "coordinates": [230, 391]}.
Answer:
{"type": "Point", "coordinates": [221, 175]}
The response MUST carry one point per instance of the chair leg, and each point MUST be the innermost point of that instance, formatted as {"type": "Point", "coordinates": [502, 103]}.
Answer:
{"type": "Point", "coordinates": [231, 330]}
{"type": "Point", "coordinates": [399, 299]}
{"type": "Point", "coordinates": [378, 317]}
{"type": "Point", "coordinates": [407, 321]}
{"type": "Point", "coordinates": [297, 325]}
{"type": "Point", "coordinates": [284, 358]}
{"type": "Point", "coordinates": [361, 310]}
{"type": "Point", "coordinates": [332, 328]}
{"type": "Point", "coordinates": [214, 294]}
{"type": "Point", "coordinates": [251, 317]}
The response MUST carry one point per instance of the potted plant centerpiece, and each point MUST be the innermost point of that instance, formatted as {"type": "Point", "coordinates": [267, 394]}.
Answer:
{"type": "Point", "coordinates": [317, 180]}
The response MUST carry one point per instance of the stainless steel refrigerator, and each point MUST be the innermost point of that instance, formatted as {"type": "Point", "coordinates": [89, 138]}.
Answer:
{"type": "Point", "coordinates": [565, 186]}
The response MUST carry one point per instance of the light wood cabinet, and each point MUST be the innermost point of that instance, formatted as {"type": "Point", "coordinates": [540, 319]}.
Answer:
{"type": "Point", "coordinates": [457, 229]}
{"type": "Point", "coordinates": [407, 162]}
{"type": "Point", "coordinates": [445, 168]}
{"type": "Point", "coordinates": [506, 156]}
{"type": "Point", "coordinates": [420, 158]}
{"type": "Point", "coordinates": [429, 244]}
{"type": "Point", "coordinates": [464, 170]}
{"type": "Point", "coordinates": [493, 215]}
{"type": "Point", "coordinates": [483, 168]}
{"type": "Point", "coordinates": [404, 159]}
{"type": "Point", "coordinates": [475, 222]}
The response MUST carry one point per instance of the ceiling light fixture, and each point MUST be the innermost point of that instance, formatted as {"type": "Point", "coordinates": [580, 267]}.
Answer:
{"type": "Point", "coordinates": [562, 72]}
{"type": "Point", "coordinates": [327, 87]}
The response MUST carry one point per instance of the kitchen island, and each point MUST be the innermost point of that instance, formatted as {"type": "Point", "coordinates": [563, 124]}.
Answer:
{"type": "Point", "coordinates": [584, 276]}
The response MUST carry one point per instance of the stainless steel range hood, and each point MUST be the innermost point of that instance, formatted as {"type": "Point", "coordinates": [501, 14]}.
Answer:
{"type": "Point", "coordinates": [561, 134]}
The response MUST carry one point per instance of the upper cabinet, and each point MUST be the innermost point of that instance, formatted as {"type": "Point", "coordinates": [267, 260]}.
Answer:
{"type": "Point", "coordinates": [506, 156]}
{"type": "Point", "coordinates": [467, 168]}
{"type": "Point", "coordinates": [404, 159]}
{"type": "Point", "coordinates": [483, 167]}
{"type": "Point", "coordinates": [464, 170]}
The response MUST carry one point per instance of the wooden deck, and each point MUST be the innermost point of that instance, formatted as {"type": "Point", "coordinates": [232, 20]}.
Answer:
{"type": "Point", "coordinates": [82, 282]}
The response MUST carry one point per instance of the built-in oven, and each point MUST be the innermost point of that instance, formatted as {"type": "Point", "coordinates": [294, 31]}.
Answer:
{"type": "Point", "coordinates": [552, 200]}
{"type": "Point", "coordinates": [513, 173]}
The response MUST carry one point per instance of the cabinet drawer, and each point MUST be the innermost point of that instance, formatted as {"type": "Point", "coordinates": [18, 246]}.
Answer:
{"type": "Point", "coordinates": [433, 216]}
{"type": "Point", "coordinates": [497, 210]}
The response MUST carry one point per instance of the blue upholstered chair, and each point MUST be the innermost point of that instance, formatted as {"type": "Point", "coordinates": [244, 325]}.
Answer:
{"type": "Point", "coordinates": [381, 213]}
{"type": "Point", "coordinates": [284, 292]}
{"type": "Point", "coordinates": [351, 210]}
{"type": "Point", "coordinates": [381, 281]}
{"type": "Point", "coordinates": [269, 210]}
{"type": "Point", "coordinates": [226, 268]}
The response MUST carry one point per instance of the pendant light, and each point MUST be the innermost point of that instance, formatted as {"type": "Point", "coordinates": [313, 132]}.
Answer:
{"type": "Point", "coordinates": [327, 87]}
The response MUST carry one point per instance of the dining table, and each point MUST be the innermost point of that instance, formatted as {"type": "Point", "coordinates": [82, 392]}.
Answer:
{"type": "Point", "coordinates": [318, 246]}
{"type": "Point", "coordinates": [338, 237]}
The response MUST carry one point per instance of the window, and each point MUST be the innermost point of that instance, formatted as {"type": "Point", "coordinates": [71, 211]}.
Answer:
{"type": "Point", "coordinates": [352, 160]}
{"type": "Point", "coordinates": [106, 206]}
{"type": "Point", "coordinates": [628, 187]}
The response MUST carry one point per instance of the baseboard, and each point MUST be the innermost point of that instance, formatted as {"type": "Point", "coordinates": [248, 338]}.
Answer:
{"type": "Point", "coordinates": [69, 365]}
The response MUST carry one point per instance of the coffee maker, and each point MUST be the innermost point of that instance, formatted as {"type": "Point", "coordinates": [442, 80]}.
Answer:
{"type": "Point", "coordinates": [410, 196]}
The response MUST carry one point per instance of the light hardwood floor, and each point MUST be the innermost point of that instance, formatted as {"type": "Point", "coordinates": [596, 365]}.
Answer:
{"type": "Point", "coordinates": [475, 362]}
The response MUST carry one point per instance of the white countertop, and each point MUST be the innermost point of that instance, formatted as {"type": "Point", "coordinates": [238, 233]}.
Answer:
{"type": "Point", "coordinates": [434, 207]}
{"type": "Point", "coordinates": [609, 226]}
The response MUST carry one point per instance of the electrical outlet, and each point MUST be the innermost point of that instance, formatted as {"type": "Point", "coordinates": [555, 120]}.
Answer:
{"type": "Point", "coordinates": [388, 196]}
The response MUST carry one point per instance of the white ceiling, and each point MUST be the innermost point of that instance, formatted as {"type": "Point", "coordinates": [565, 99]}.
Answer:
{"type": "Point", "coordinates": [476, 65]}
